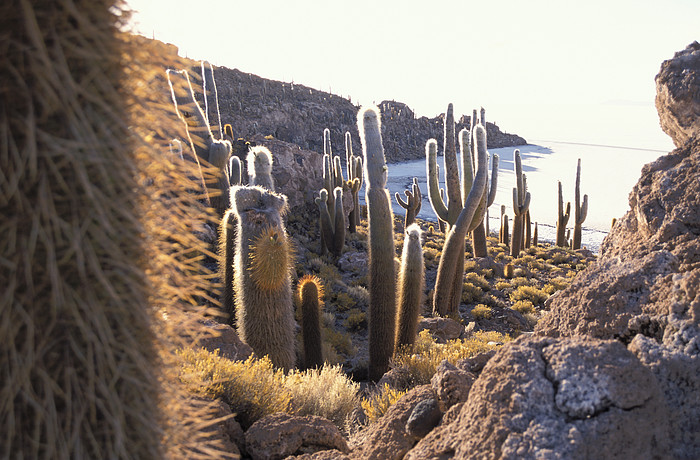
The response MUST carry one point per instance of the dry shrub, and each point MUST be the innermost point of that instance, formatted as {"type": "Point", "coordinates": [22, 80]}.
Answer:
{"type": "Point", "coordinates": [530, 293]}
{"type": "Point", "coordinates": [326, 392]}
{"type": "Point", "coordinates": [252, 388]}
{"type": "Point", "coordinates": [422, 360]}
{"type": "Point", "coordinates": [481, 311]}
{"type": "Point", "coordinates": [379, 403]}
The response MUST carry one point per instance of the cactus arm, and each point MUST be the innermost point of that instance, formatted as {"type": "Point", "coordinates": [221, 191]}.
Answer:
{"type": "Point", "coordinates": [212, 110]}
{"type": "Point", "coordinates": [452, 183]}
{"type": "Point", "coordinates": [349, 157]}
{"type": "Point", "coordinates": [494, 181]}
{"type": "Point", "coordinates": [403, 204]}
{"type": "Point", "coordinates": [189, 110]}
{"type": "Point", "coordinates": [327, 149]}
{"type": "Point", "coordinates": [417, 195]}
{"type": "Point", "coordinates": [234, 171]}
{"type": "Point", "coordinates": [584, 210]}
{"type": "Point", "coordinates": [433, 182]}
{"type": "Point", "coordinates": [467, 163]}
{"type": "Point", "coordinates": [326, 223]}
{"type": "Point", "coordinates": [338, 180]}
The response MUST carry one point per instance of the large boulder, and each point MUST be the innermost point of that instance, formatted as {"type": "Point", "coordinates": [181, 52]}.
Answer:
{"type": "Point", "coordinates": [556, 398]}
{"type": "Point", "coordinates": [678, 95]}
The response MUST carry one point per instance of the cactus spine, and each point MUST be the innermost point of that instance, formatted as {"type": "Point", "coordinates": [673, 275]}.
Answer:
{"type": "Point", "coordinates": [580, 211]}
{"type": "Point", "coordinates": [382, 272]}
{"type": "Point", "coordinates": [260, 168]}
{"type": "Point", "coordinates": [521, 203]}
{"type": "Point", "coordinates": [412, 204]}
{"type": "Point", "coordinates": [448, 293]}
{"type": "Point", "coordinates": [353, 166]}
{"type": "Point", "coordinates": [310, 293]}
{"type": "Point", "coordinates": [262, 264]}
{"type": "Point", "coordinates": [562, 219]}
{"type": "Point", "coordinates": [410, 287]}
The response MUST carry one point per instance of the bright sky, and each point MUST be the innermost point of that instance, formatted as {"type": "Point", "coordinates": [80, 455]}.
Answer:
{"type": "Point", "coordinates": [580, 71]}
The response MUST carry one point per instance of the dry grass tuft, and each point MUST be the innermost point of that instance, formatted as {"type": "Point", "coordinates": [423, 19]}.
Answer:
{"type": "Point", "coordinates": [378, 404]}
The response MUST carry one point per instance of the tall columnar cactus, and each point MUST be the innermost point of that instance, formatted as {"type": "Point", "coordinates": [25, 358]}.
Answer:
{"type": "Point", "coordinates": [382, 272]}
{"type": "Point", "coordinates": [521, 203]}
{"type": "Point", "coordinates": [227, 250]}
{"type": "Point", "coordinates": [262, 264]}
{"type": "Point", "coordinates": [448, 293]}
{"type": "Point", "coordinates": [332, 173]}
{"type": "Point", "coordinates": [410, 287]}
{"type": "Point", "coordinates": [580, 211]}
{"type": "Point", "coordinates": [412, 204]}
{"type": "Point", "coordinates": [353, 166]}
{"type": "Point", "coordinates": [310, 293]}
{"type": "Point", "coordinates": [260, 167]}
{"type": "Point", "coordinates": [562, 219]}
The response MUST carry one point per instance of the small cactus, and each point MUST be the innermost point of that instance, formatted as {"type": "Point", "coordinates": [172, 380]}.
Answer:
{"type": "Point", "coordinates": [310, 293]}
{"type": "Point", "coordinates": [535, 240]}
{"type": "Point", "coordinates": [410, 287]}
{"type": "Point", "coordinates": [412, 204]}
{"type": "Point", "coordinates": [580, 211]}
{"type": "Point", "coordinates": [382, 271]}
{"type": "Point", "coordinates": [260, 168]}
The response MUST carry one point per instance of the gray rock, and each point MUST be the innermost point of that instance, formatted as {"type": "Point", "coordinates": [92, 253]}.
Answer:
{"type": "Point", "coordinates": [451, 385]}
{"type": "Point", "coordinates": [442, 329]}
{"type": "Point", "coordinates": [678, 94]}
{"type": "Point", "coordinates": [556, 398]}
{"type": "Point", "coordinates": [279, 435]}
{"type": "Point", "coordinates": [424, 417]}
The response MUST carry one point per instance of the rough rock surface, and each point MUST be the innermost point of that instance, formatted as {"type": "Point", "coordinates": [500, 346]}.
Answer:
{"type": "Point", "coordinates": [556, 398]}
{"type": "Point", "coordinates": [451, 385]}
{"type": "Point", "coordinates": [678, 95]}
{"type": "Point", "coordinates": [280, 435]}
{"type": "Point", "coordinates": [387, 439]}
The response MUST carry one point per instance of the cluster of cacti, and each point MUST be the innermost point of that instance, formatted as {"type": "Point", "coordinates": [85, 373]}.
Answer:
{"type": "Point", "coordinates": [201, 139]}
{"type": "Point", "coordinates": [353, 165]}
{"type": "Point", "coordinates": [332, 227]}
{"type": "Point", "coordinates": [448, 286]}
{"type": "Point", "coordinates": [410, 287]}
{"type": "Point", "coordinates": [262, 264]}
{"type": "Point", "coordinates": [412, 204]}
{"type": "Point", "coordinates": [382, 272]}
{"type": "Point", "coordinates": [521, 204]}
{"type": "Point", "coordinates": [310, 293]}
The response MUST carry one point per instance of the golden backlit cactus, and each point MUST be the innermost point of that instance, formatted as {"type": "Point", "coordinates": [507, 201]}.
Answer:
{"type": "Point", "coordinates": [270, 259]}
{"type": "Point", "coordinates": [309, 296]}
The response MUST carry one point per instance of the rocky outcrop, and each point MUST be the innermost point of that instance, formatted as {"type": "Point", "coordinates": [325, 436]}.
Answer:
{"type": "Point", "coordinates": [217, 338]}
{"type": "Point", "coordinates": [280, 435]}
{"type": "Point", "coordinates": [556, 398]}
{"type": "Point", "coordinates": [298, 114]}
{"type": "Point", "coordinates": [643, 289]}
{"type": "Point", "coordinates": [678, 95]}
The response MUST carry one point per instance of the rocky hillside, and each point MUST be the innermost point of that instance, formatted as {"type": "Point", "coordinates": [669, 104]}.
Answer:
{"type": "Point", "coordinates": [298, 114]}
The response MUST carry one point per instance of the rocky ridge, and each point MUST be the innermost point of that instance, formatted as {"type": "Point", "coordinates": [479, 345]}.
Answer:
{"type": "Point", "coordinates": [297, 114]}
